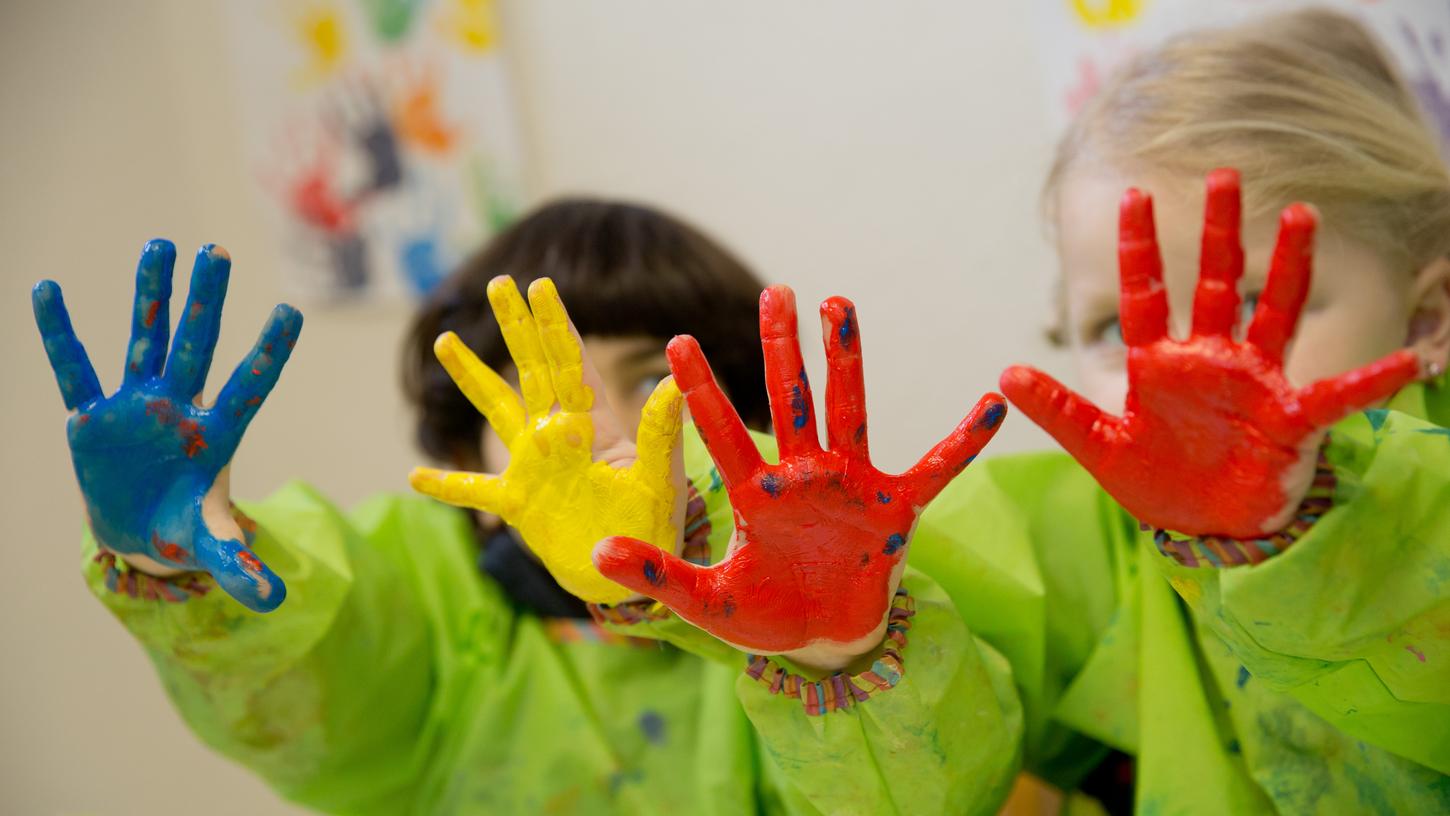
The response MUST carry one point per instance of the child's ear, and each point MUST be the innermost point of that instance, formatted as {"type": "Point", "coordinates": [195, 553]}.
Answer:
{"type": "Point", "coordinates": [1429, 330]}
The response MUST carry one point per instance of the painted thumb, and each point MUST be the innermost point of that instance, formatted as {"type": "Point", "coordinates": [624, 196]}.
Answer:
{"type": "Point", "coordinates": [241, 573]}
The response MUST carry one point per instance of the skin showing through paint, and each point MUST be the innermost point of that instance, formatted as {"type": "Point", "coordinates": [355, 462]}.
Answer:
{"type": "Point", "coordinates": [821, 537]}
{"type": "Point", "coordinates": [151, 459]}
{"type": "Point", "coordinates": [573, 477]}
{"type": "Point", "coordinates": [1213, 439]}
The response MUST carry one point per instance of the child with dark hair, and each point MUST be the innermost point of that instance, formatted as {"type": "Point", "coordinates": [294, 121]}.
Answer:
{"type": "Point", "coordinates": [633, 278]}
{"type": "Point", "coordinates": [399, 678]}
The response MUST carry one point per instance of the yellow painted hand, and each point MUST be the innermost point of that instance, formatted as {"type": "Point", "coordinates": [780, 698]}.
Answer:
{"type": "Point", "coordinates": [572, 477]}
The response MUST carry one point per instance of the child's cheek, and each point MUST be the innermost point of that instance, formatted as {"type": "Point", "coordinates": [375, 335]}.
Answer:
{"type": "Point", "coordinates": [1102, 376]}
{"type": "Point", "coordinates": [1339, 338]}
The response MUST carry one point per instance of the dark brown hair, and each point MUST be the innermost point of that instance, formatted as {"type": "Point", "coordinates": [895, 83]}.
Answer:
{"type": "Point", "coordinates": [621, 270]}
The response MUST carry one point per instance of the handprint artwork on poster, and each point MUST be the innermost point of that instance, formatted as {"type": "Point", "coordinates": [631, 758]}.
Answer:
{"type": "Point", "coordinates": [382, 136]}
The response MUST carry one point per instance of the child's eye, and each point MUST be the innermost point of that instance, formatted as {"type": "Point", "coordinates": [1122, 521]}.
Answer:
{"type": "Point", "coordinates": [1108, 334]}
{"type": "Point", "coordinates": [1246, 313]}
{"type": "Point", "coordinates": [648, 383]}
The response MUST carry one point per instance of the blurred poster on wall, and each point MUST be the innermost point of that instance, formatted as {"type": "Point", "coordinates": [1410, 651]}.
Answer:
{"type": "Point", "coordinates": [381, 134]}
{"type": "Point", "coordinates": [1084, 40]}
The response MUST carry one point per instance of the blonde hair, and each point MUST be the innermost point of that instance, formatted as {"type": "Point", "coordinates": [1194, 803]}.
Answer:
{"type": "Point", "coordinates": [1305, 105]}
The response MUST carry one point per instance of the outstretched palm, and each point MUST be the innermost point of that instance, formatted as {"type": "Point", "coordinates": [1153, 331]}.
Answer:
{"type": "Point", "coordinates": [821, 536]}
{"type": "Point", "coordinates": [572, 477]}
{"type": "Point", "coordinates": [1213, 439]}
{"type": "Point", "coordinates": [149, 456]}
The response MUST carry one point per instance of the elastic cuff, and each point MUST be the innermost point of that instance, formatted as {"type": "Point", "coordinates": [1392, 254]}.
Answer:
{"type": "Point", "coordinates": [579, 630]}
{"type": "Point", "coordinates": [696, 547]}
{"type": "Point", "coordinates": [1220, 552]}
{"type": "Point", "coordinates": [630, 612]}
{"type": "Point", "coordinates": [123, 580]}
{"type": "Point", "coordinates": [840, 691]}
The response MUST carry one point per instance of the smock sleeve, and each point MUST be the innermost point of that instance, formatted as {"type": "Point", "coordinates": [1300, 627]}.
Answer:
{"type": "Point", "coordinates": [339, 697]}
{"type": "Point", "coordinates": [1353, 619]}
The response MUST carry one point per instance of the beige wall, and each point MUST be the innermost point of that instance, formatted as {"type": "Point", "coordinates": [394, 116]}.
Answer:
{"type": "Point", "coordinates": [890, 152]}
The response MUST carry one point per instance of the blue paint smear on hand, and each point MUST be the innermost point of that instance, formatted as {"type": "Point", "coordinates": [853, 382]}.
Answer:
{"type": "Point", "coordinates": [770, 483]}
{"type": "Point", "coordinates": [847, 332]}
{"type": "Point", "coordinates": [798, 407]}
{"type": "Point", "coordinates": [991, 418]}
{"type": "Point", "coordinates": [894, 542]}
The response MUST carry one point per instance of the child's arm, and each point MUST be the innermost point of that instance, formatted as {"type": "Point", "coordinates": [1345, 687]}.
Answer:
{"type": "Point", "coordinates": [342, 698]}
{"type": "Point", "coordinates": [1354, 619]}
{"type": "Point", "coordinates": [336, 703]}
{"type": "Point", "coordinates": [1216, 444]}
{"type": "Point", "coordinates": [879, 699]}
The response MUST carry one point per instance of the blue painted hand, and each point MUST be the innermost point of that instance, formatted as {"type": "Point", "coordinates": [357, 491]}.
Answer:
{"type": "Point", "coordinates": [150, 458]}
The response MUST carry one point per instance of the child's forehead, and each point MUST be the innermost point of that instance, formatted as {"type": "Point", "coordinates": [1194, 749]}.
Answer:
{"type": "Point", "coordinates": [624, 349]}
{"type": "Point", "coordinates": [1087, 231]}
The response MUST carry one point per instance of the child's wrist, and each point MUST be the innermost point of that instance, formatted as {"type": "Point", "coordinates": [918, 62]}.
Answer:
{"type": "Point", "coordinates": [140, 562]}
{"type": "Point", "coordinates": [1222, 551]}
{"type": "Point", "coordinates": [877, 671]}
{"type": "Point", "coordinates": [121, 578]}
{"type": "Point", "coordinates": [824, 658]}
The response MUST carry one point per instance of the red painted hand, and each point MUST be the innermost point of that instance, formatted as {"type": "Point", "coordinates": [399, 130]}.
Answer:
{"type": "Point", "coordinates": [1213, 439]}
{"type": "Point", "coordinates": [821, 537]}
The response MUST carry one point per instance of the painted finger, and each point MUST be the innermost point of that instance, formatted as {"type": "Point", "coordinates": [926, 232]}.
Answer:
{"type": "Point", "coordinates": [521, 335]}
{"type": "Point", "coordinates": [239, 571]}
{"type": "Point", "coordinates": [253, 379]}
{"type": "Point", "coordinates": [659, 430]}
{"type": "Point", "coordinates": [489, 393]}
{"type": "Point", "coordinates": [1288, 284]}
{"type": "Point", "coordinates": [845, 385]}
{"type": "Point", "coordinates": [577, 384]}
{"type": "Point", "coordinates": [1221, 262]}
{"type": "Point", "coordinates": [719, 425]}
{"type": "Point", "coordinates": [73, 371]}
{"type": "Point", "coordinates": [201, 322]}
{"type": "Point", "coordinates": [479, 491]}
{"type": "Point", "coordinates": [562, 347]}
{"type": "Point", "coordinates": [792, 407]}
{"type": "Point", "coordinates": [1084, 431]}
{"type": "Point", "coordinates": [950, 456]}
{"type": "Point", "coordinates": [151, 313]}
{"type": "Point", "coordinates": [1328, 401]}
{"type": "Point", "coordinates": [650, 571]}
{"type": "Point", "coordinates": [1143, 302]}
